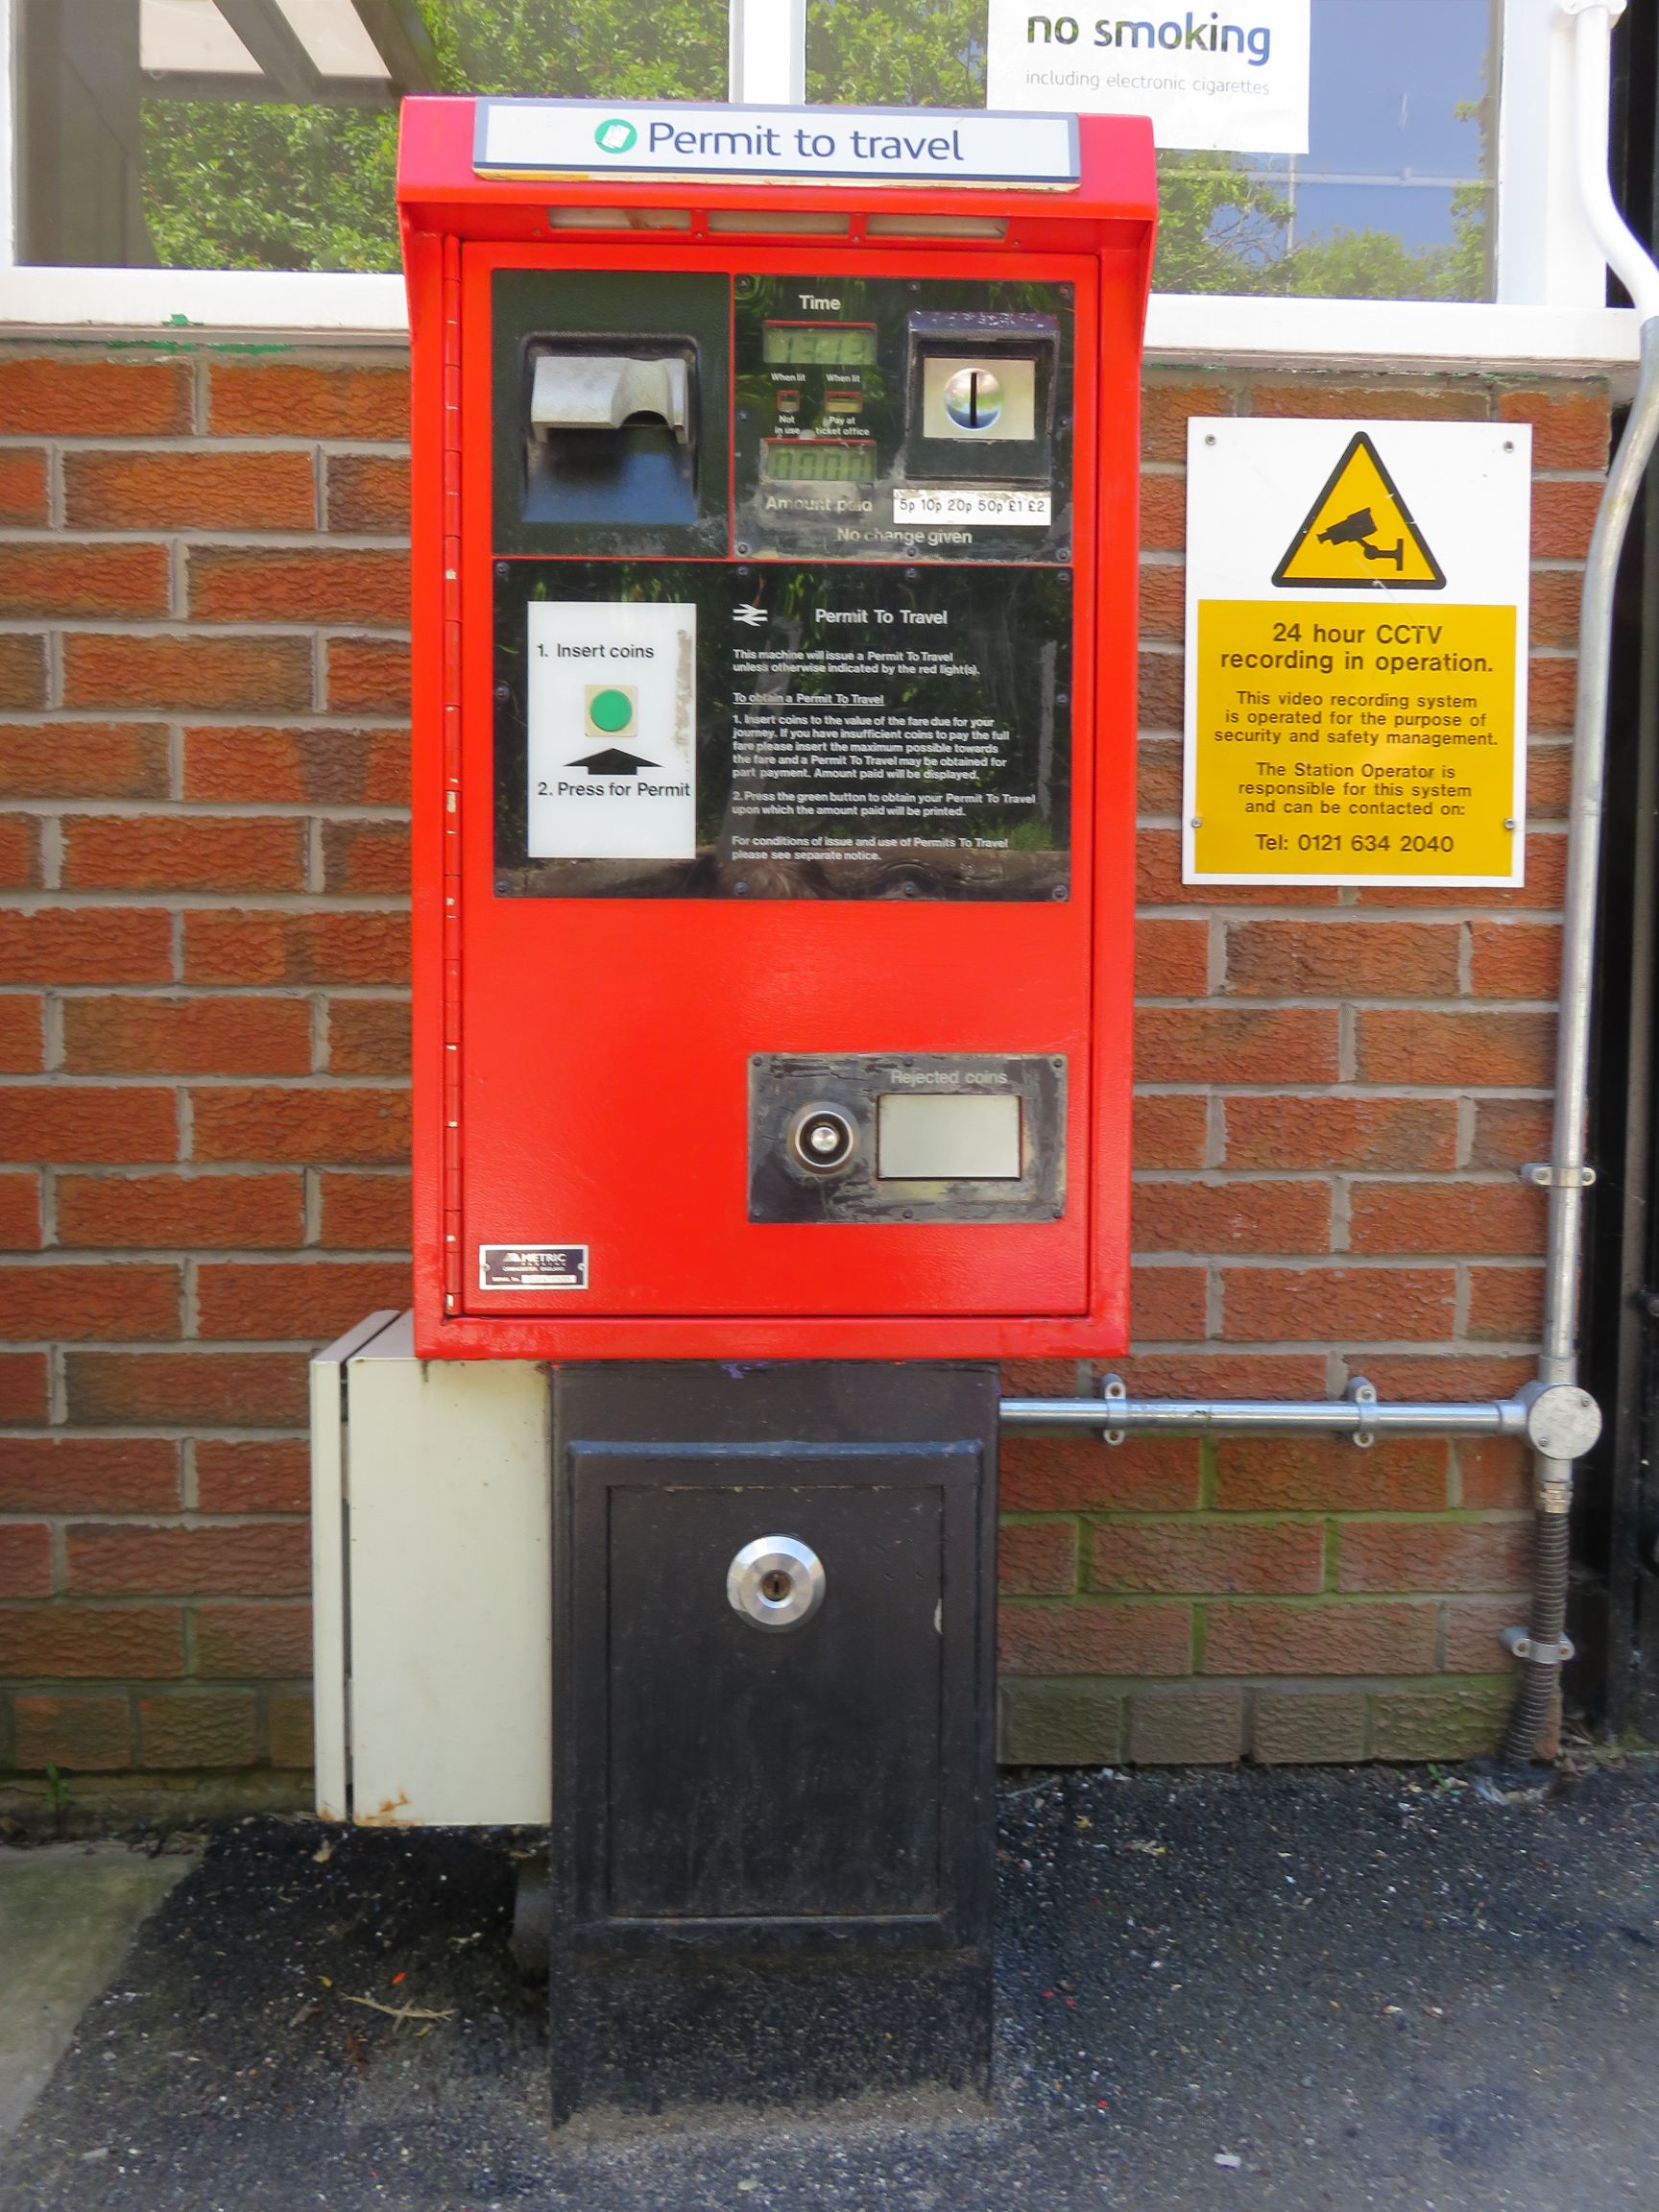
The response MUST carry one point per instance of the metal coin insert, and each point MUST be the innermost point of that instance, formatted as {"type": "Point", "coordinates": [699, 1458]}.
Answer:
{"type": "Point", "coordinates": [775, 1582]}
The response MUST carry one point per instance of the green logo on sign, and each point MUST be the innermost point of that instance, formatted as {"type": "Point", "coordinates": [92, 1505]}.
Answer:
{"type": "Point", "coordinates": [615, 135]}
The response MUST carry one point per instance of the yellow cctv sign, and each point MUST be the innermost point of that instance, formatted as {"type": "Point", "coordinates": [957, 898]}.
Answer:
{"type": "Point", "coordinates": [1373, 736]}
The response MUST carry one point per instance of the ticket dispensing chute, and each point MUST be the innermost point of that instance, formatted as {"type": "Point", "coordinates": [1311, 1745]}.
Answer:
{"type": "Point", "coordinates": [775, 543]}
{"type": "Point", "coordinates": [774, 554]}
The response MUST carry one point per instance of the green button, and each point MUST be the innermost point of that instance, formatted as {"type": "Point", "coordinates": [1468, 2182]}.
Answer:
{"type": "Point", "coordinates": [610, 711]}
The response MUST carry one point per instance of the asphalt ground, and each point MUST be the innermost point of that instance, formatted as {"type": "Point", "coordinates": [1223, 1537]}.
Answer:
{"type": "Point", "coordinates": [1318, 1989]}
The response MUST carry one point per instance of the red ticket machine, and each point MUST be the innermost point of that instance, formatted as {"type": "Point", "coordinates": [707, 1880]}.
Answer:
{"type": "Point", "coordinates": [774, 557]}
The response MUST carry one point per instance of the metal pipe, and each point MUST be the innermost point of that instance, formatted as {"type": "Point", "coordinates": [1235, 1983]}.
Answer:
{"type": "Point", "coordinates": [1269, 1416]}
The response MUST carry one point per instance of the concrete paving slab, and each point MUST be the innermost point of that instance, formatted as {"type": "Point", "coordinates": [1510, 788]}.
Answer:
{"type": "Point", "coordinates": [67, 1913]}
{"type": "Point", "coordinates": [1316, 1991]}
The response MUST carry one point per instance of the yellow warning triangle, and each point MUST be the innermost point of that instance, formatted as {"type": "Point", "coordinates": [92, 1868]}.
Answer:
{"type": "Point", "coordinates": [1359, 534]}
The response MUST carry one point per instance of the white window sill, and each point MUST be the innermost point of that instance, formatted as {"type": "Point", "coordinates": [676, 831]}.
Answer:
{"type": "Point", "coordinates": [1180, 327]}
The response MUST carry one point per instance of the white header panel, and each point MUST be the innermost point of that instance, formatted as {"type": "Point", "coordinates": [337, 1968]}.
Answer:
{"type": "Point", "coordinates": [848, 144]}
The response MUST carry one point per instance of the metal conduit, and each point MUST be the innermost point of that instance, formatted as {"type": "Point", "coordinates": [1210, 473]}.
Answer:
{"type": "Point", "coordinates": [1559, 1420]}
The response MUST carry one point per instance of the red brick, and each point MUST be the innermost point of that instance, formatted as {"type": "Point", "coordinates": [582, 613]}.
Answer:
{"type": "Point", "coordinates": [1321, 1474]}
{"type": "Point", "coordinates": [1232, 1217]}
{"type": "Point", "coordinates": [186, 1036]}
{"type": "Point", "coordinates": [260, 1559]}
{"type": "Point", "coordinates": [1473, 1631]}
{"type": "Point", "coordinates": [1236, 1044]}
{"type": "Point", "coordinates": [67, 579]}
{"type": "Point", "coordinates": [19, 851]}
{"type": "Point", "coordinates": [1449, 1217]}
{"type": "Point", "coordinates": [1171, 959]}
{"type": "Point", "coordinates": [366, 856]}
{"type": "Point", "coordinates": [1546, 876]}
{"type": "Point", "coordinates": [88, 945]}
{"type": "Point", "coordinates": [1169, 1131]}
{"type": "Point", "coordinates": [364, 1212]}
{"type": "Point", "coordinates": [1318, 1639]}
{"type": "Point", "coordinates": [1164, 411]}
{"type": "Point", "coordinates": [1316, 393]}
{"type": "Point", "coordinates": [22, 486]}
{"type": "Point", "coordinates": [1551, 690]}
{"type": "Point", "coordinates": [184, 853]}
{"type": "Point", "coordinates": [189, 491]}
{"type": "Point", "coordinates": [1457, 1049]}
{"type": "Point", "coordinates": [231, 946]}
{"type": "Point", "coordinates": [77, 1735]}
{"type": "Point", "coordinates": [1185, 1727]}
{"type": "Point", "coordinates": [1437, 1375]}
{"type": "Point", "coordinates": [367, 676]}
{"type": "Point", "coordinates": [369, 493]}
{"type": "Point", "coordinates": [335, 1127]}
{"type": "Point", "coordinates": [69, 396]}
{"type": "Point", "coordinates": [25, 1559]}
{"type": "Point", "coordinates": [1064, 1474]}
{"type": "Point", "coordinates": [219, 1389]}
{"type": "Point", "coordinates": [84, 760]}
{"type": "Point", "coordinates": [1160, 691]}
{"type": "Point", "coordinates": [1509, 1132]}
{"type": "Point", "coordinates": [1341, 1132]}
{"type": "Point", "coordinates": [92, 1643]}
{"type": "Point", "coordinates": [1563, 517]}
{"type": "Point", "coordinates": [88, 1475]}
{"type": "Point", "coordinates": [1037, 1559]}
{"type": "Point", "coordinates": [1515, 960]}
{"type": "Point", "coordinates": [19, 1215]}
{"type": "Point", "coordinates": [1554, 603]}
{"type": "Point", "coordinates": [88, 1300]}
{"type": "Point", "coordinates": [70, 1122]}
{"type": "Point", "coordinates": [1040, 1377]}
{"type": "Point", "coordinates": [1495, 1472]}
{"type": "Point", "coordinates": [1174, 1558]}
{"type": "Point", "coordinates": [1570, 424]}
{"type": "Point", "coordinates": [199, 1728]}
{"type": "Point", "coordinates": [1163, 600]}
{"type": "Point", "coordinates": [1158, 882]}
{"type": "Point", "coordinates": [1461, 1555]}
{"type": "Point", "coordinates": [23, 1387]}
{"type": "Point", "coordinates": [315, 767]}
{"type": "Point", "coordinates": [267, 1642]}
{"type": "Point", "coordinates": [1506, 1302]}
{"type": "Point", "coordinates": [288, 1722]}
{"type": "Point", "coordinates": [235, 1212]}
{"type": "Point", "coordinates": [312, 1300]}
{"type": "Point", "coordinates": [218, 675]}
{"type": "Point", "coordinates": [1168, 1304]}
{"type": "Point", "coordinates": [1163, 512]}
{"type": "Point", "coordinates": [1158, 777]}
{"type": "Point", "coordinates": [287, 399]}
{"type": "Point", "coordinates": [1344, 959]}
{"type": "Point", "coordinates": [1373, 1304]}
{"type": "Point", "coordinates": [268, 584]}
{"type": "Point", "coordinates": [1549, 781]}
{"type": "Point", "coordinates": [253, 1476]}
{"type": "Point", "coordinates": [1098, 1636]}
{"type": "Point", "coordinates": [1218, 1374]}
{"type": "Point", "coordinates": [22, 1036]}
{"type": "Point", "coordinates": [369, 1037]}
{"type": "Point", "coordinates": [22, 671]}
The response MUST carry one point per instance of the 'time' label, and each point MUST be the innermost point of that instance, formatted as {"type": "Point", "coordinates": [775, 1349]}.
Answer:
{"type": "Point", "coordinates": [611, 707]}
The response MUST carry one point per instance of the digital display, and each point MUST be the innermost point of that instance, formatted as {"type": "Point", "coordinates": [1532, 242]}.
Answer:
{"type": "Point", "coordinates": [820, 345]}
{"type": "Point", "coordinates": [822, 460]}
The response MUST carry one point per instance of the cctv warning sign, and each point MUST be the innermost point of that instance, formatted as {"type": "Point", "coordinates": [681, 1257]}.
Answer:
{"type": "Point", "coordinates": [1336, 730]}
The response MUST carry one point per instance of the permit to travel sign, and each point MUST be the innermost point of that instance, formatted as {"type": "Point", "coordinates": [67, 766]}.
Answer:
{"type": "Point", "coordinates": [1356, 641]}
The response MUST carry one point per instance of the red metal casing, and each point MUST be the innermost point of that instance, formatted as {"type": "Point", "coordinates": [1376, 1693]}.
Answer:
{"type": "Point", "coordinates": [557, 1039]}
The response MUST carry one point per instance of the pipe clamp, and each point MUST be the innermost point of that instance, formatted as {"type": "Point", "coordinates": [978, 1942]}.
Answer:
{"type": "Point", "coordinates": [1520, 1644]}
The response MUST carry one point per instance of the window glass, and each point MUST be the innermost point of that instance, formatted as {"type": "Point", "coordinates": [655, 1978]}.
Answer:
{"type": "Point", "coordinates": [1393, 200]}
{"type": "Point", "coordinates": [263, 134]}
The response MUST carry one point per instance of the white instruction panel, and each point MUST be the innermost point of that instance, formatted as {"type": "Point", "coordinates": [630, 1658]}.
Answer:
{"type": "Point", "coordinates": [611, 709]}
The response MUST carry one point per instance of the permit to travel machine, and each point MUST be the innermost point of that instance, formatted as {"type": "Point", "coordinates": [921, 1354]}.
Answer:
{"type": "Point", "coordinates": [775, 697]}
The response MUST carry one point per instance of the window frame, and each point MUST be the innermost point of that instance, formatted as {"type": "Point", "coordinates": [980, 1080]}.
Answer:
{"type": "Point", "coordinates": [1550, 310]}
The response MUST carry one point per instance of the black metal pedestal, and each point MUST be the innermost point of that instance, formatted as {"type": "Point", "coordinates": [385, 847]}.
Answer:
{"type": "Point", "coordinates": [773, 1678]}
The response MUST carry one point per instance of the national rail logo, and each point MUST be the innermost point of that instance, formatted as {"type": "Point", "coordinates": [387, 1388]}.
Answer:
{"type": "Point", "coordinates": [615, 135]}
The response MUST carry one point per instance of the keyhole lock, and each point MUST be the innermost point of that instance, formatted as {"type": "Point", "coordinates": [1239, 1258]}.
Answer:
{"type": "Point", "coordinates": [775, 1582]}
{"type": "Point", "coordinates": [823, 1139]}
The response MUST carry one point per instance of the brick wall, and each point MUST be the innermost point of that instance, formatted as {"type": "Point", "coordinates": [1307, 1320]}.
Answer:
{"type": "Point", "coordinates": [204, 1115]}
